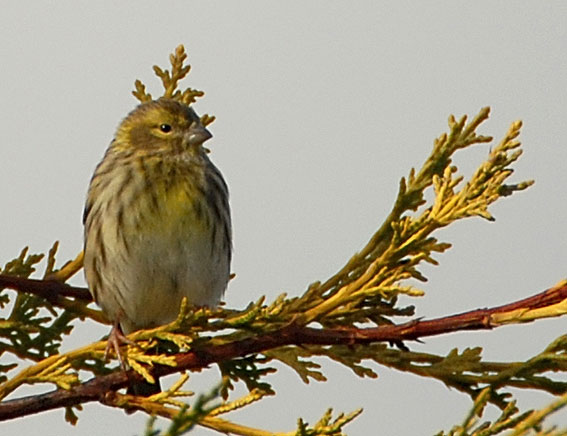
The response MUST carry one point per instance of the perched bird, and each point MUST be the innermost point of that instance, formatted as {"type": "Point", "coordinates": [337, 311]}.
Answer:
{"type": "Point", "coordinates": [157, 221]}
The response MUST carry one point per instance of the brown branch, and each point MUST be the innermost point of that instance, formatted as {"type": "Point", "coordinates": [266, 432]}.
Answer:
{"type": "Point", "coordinates": [48, 289]}
{"type": "Point", "coordinates": [57, 293]}
{"type": "Point", "coordinates": [99, 387]}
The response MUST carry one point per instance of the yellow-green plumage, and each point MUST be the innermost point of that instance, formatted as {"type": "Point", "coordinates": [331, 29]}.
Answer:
{"type": "Point", "coordinates": [157, 220]}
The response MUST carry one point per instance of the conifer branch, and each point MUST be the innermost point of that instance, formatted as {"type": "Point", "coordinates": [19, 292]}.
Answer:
{"type": "Point", "coordinates": [98, 388]}
{"type": "Point", "coordinates": [57, 293]}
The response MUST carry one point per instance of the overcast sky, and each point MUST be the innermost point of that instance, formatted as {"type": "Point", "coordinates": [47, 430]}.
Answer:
{"type": "Point", "coordinates": [321, 107]}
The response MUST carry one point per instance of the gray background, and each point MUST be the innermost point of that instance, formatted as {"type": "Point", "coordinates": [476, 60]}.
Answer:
{"type": "Point", "coordinates": [322, 107]}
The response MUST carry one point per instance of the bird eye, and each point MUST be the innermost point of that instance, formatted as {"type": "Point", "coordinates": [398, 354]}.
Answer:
{"type": "Point", "coordinates": [165, 128]}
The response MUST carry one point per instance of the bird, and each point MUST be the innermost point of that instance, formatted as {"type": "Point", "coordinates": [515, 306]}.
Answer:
{"type": "Point", "coordinates": [157, 223]}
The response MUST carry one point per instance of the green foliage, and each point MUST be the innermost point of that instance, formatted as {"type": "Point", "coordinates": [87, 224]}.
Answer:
{"type": "Point", "coordinates": [511, 421]}
{"type": "Point", "coordinates": [248, 370]}
{"type": "Point", "coordinates": [32, 329]}
{"type": "Point", "coordinates": [186, 419]}
{"type": "Point", "coordinates": [363, 293]}
{"type": "Point", "coordinates": [327, 426]}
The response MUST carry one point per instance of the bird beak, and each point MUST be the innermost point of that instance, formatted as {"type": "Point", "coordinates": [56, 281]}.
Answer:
{"type": "Point", "coordinates": [197, 135]}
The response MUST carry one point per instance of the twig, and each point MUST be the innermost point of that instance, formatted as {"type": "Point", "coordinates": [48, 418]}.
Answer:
{"type": "Point", "coordinates": [48, 289]}
{"type": "Point", "coordinates": [57, 293]}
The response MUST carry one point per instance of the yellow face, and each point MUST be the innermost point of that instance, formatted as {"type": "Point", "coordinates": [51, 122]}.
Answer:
{"type": "Point", "coordinates": [162, 124]}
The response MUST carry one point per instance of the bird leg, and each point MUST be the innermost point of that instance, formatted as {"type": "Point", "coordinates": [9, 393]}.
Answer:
{"type": "Point", "coordinates": [115, 339]}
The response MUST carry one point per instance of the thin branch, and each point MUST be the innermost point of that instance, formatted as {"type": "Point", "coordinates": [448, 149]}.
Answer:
{"type": "Point", "coordinates": [57, 293]}
{"type": "Point", "coordinates": [48, 289]}
{"type": "Point", "coordinates": [99, 387]}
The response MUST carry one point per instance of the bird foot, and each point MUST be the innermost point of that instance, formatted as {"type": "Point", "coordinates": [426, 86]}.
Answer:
{"type": "Point", "coordinates": [115, 339]}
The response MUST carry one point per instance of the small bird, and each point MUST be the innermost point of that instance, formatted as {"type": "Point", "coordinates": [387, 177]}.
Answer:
{"type": "Point", "coordinates": [157, 222]}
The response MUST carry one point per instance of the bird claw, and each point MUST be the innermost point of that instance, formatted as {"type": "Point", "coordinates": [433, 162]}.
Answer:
{"type": "Point", "coordinates": [115, 339]}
